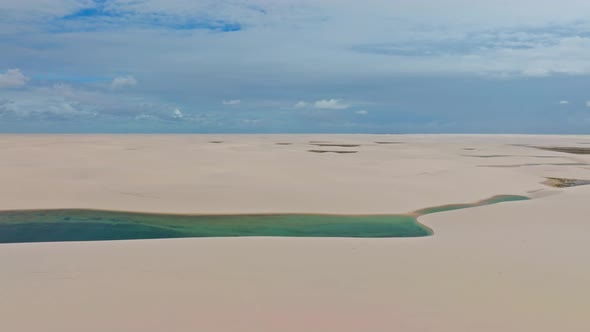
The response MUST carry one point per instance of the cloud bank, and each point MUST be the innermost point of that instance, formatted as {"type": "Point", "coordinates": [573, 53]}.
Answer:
{"type": "Point", "coordinates": [123, 82]}
{"type": "Point", "coordinates": [231, 102]}
{"type": "Point", "coordinates": [302, 65]}
{"type": "Point", "coordinates": [13, 78]}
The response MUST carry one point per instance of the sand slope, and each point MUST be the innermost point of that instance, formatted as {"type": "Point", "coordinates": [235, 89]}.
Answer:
{"type": "Point", "coordinates": [520, 266]}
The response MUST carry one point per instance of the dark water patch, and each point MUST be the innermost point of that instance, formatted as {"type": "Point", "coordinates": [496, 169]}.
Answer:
{"type": "Point", "coordinates": [565, 183]}
{"type": "Point", "coordinates": [284, 143]}
{"type": "Point", "coordinates": [566, 149]}
{"type": "Point", "coordinates": [336, 145]}
{"type": "Point", "coordinates": [534, 164]}
{"type": "Point", "coordinates": [509, 155]}
{"type": "Point", "coordinates": [331, 151]}
{"type": "Point", "coordinates": [93, 225]}
{"type": "Point", "coordinates": [68, 230]}
{"type": "Point", "coordinates": [216, 142]}
{"type": "Point", "coordinates": [487, 156]}
{"type": "Point", "coordinates": [547, 157]}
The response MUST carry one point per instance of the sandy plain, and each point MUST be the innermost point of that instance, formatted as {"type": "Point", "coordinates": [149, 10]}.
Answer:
{"type": "Point", "coordinates": [518, 266]}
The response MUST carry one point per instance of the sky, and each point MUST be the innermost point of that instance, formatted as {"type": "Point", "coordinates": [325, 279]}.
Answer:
{"type": "Point", "coordinates": [295, 66]}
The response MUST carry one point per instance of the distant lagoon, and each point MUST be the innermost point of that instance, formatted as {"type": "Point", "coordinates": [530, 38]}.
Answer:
{"type": "Point", "coordinates": [95, 225]}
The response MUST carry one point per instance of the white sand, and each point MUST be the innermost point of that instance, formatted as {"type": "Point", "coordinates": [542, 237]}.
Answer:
{"type": "Point", "coordinates": [521, 266]}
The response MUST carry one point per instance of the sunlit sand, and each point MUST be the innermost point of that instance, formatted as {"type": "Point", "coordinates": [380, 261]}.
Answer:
{"type": "Point", "coordinates": [513, 266]}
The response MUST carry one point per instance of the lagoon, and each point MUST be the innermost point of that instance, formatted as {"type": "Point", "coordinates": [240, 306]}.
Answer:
{"type": "Point", "coordinates": [94, 225]}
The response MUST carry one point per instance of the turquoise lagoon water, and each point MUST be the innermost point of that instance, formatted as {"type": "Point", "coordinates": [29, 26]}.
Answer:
{"type": "Point", "coordinates": [93, 225]}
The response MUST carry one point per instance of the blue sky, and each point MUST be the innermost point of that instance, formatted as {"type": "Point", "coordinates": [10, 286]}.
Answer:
{"type": "Point", "coordinates": [373, 66]}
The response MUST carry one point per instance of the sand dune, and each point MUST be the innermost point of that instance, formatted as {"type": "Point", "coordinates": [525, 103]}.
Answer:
{"type": "Point", "coordinates": [518, 266]}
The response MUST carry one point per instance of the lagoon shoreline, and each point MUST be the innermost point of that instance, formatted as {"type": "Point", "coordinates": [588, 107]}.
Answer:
{"type": "Point", "coordinates": [24, 226]}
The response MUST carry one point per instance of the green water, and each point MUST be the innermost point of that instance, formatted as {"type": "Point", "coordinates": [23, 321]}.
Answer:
{"type": "Point", "coordinates": [493, 200]}
{"type": "Point", "coordinates": [90, 225]}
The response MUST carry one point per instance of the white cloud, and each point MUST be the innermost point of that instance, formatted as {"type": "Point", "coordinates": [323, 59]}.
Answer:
{"type": "Point", "coordinates": [231, 102]}
{"type": "Point", "coordinates": [564, 102]}
{"type": "Point", "coordinates": [13, 78]}
{"type": "Point", "coordinates": [332, 104]}
{"type": "Point", "coordinates": [362, 112]}
{"type": "Point", "coordinates": [145, 117]}
{"type": "Point", "coordinates": [51, 108]}
{"type": "Point", "coordinates": [301, 104]}
{"type": "Point", "coordinates": [177, 114]}
{"type": "Point", "coordinates": [251, 121]}
{"type": "Point", "coordinates": [588, 103]}
{"type": "Point", "coordinates": [326, 104]}
{"type": "Point", "coordinates": [65, 101]}
{"type": "Point", "coordinates": [123, 82]}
